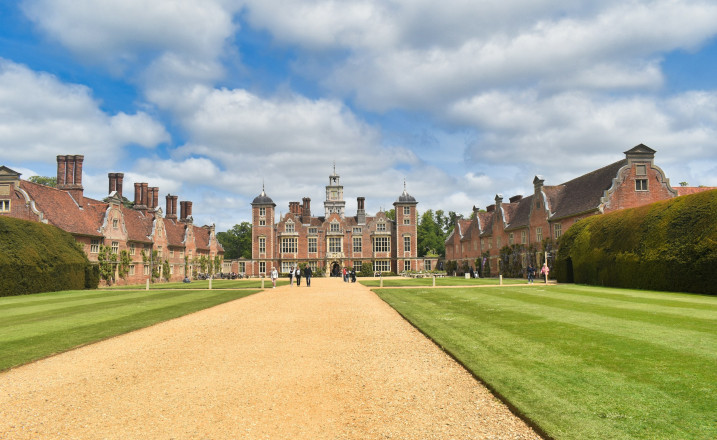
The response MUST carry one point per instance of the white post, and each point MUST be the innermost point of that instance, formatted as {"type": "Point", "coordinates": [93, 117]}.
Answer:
{"type": "Point", "coordinates": [147, 288]}
{"type": "Point", "coordinates": [262, 282]}
{"type": "Point", "coordinates": [210, 284]}
{"type": "Point", "coordinates": [434, 281]}
{"type": "Point", "coordinates": [381, 276]}
{"type": "Point", "coordinates": [501, 279]}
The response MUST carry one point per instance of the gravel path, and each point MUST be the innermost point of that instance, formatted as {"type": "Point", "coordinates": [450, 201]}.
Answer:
{"type": "Point", "coordinates": [328, 362]}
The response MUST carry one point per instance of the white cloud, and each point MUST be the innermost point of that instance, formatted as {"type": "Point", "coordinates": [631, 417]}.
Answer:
{"type": "Point", "coordinates": [111, 31]}
{"type": "Point", "coordinates": [41, 117]}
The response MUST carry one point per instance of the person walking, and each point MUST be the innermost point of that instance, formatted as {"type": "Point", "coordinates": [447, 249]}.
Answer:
{"type": "Point", "coordinates": [307, 275]}
{"type": "Point", "coordinates": [531, 273]}
{"type": "Point", "coordinates": [544, 272]}
{"type": "Point", "coordinates": [274, 275]}
{"type": "Point", "coordinates": [298, 276]}
{"type": "Point", "coordinates": [353, 275]}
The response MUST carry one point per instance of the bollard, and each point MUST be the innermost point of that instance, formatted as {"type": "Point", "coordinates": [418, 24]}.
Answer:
{"type": "Point", "coordinates": [262, 283]}
{"type": "Point", "coordinates": [147, 288]}
{"type": "Point", "coordinates": [501, 279]}
{"type": "Point", "coordinates": [434, 281]}
{"type": "Point", "coordinates": [210, 284]}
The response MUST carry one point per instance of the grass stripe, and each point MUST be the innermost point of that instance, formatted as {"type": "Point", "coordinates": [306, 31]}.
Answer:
{"type": "Point", "coordinates": [576, 372]}
{"type": "Point", "coordinates": [24, 342]}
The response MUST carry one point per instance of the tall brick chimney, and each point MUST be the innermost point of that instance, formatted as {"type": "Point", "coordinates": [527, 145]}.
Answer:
{"type": "Point", "coordinates": [145, 195]}
{"type": "Point", "coordinates": [116, 182]}
{"type": "Point", "coordinates": [360, 211]}
{"type": "Point", "coordinates": [69, 176]}
{"type": "Point", "coordinates": [305, 210]}
{"type": "Point", "coordinates": [171, 207]}
{"type": "Point", "coordinates": [140, 196]}
{"type": "Point", "coordinates": [155, 197]}
{"type": "Point", "coordinates": [185, 208]}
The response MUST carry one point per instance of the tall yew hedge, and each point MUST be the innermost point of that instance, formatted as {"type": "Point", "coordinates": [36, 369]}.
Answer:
{"type": "Point", "coordinates": [35, 257]}
{"type": "Point", "coordinates": [669, 245]}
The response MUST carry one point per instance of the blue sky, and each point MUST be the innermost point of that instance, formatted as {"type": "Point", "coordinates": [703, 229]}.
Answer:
{"type": "Point", "coordinates": [207, 99]}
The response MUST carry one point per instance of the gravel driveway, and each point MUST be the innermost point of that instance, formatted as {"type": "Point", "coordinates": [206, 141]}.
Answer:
{"type": "Point", "coordinates": [328, 362]}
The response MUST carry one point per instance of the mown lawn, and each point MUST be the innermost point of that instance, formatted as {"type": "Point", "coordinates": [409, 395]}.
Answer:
{"type": "Point", "coordinates": [446, 281]}
{"type": "Point", "coordinates": [582, 362]}
{"type": "Point", "coordinates": [251, 283]}
{"type": "Point", "coordinates": [36, 326]}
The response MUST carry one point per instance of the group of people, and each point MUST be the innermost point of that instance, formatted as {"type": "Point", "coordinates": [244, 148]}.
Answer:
{"type": "Point", "coordinates": [543, 273]}
{"type": "Point", "coordinates": [349, 274]}
{"type": "Point", "coordinates": [294, 274]}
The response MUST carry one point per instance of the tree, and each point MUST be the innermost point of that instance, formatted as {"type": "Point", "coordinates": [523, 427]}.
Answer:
{"type": "Point", "coordinates": [124, 262]}
{"type": "Point", "coordinates": [391, 214]}
{"type": "Point", "coordinates": [684, 183]}
{"type": "Point", "coordinates": [236, 241]}
{"type": "Point", "coordinates": [430, 236]}
{"type": "Point", "coordinates": [107, 261]}
{"type": "Point", "coordinates": [44, 180]}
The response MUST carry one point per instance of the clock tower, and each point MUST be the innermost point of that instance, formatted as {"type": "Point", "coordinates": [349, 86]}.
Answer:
{"type": "Point", "coordinates": [334, 196]}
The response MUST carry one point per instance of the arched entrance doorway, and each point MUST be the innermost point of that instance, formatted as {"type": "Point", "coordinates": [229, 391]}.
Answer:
{"type": "Point", "coordinates": [335, 269]}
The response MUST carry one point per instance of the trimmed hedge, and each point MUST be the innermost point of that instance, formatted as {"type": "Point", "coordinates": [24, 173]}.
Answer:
{"type": "Point", "coordinates": [669, 245]}
{"type": "Point", "coordinates": [36, 257]}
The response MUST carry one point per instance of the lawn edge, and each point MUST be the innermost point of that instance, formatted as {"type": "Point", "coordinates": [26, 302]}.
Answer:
{"type": "Point", "coordinates": [512, 408]}
{"type": "Point", "coordinates": [76, 347]}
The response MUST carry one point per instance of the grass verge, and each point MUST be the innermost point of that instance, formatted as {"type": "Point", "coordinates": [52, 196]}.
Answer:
{"type": "Point", "coordinates": [252, 283]}
{"type": "Point", "coordinates": [582, 362]}
{"type": "Point", "coordinates": [440, 282]}
{"type": "Point", "coordinates": [36, 326]}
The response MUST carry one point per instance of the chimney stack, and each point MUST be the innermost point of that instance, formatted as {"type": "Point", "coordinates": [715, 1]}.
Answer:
{"type": "Point", "coordinates": [171, 207]}
{"type": "Point", "coordinates": [69, 176]}
{"type": "Point", "coordinates": [306, 210]}
{"type": "Point", "coordinates": [185, 208]}
{"type": "Point", "coordinates": [360, 211]}
{"type": "Point", "coordinates": [116, 181]}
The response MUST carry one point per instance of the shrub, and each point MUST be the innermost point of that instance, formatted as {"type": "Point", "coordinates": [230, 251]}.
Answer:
{"type": "Point", "coordinates": [669, 245]}
{"type": "Point", "coordinates": [37, 257]}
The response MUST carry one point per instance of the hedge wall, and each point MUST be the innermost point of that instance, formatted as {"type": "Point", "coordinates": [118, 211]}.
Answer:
{"type": "Point", "coordinates": [670, 245]}
{"type": "Point", "coordinates": [35, 257]}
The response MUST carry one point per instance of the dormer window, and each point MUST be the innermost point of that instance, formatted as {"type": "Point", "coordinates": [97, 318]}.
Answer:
{"type": "Point", "coordinates": [640, 184]}
{"type": "Point", "coordinates": [289, 227]}
{"type": "Point", "coordinates": [381, 226]}
{"type": "Point", "coordinates": [335, 227]}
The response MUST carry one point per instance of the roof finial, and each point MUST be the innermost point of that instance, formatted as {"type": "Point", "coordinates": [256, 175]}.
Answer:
{"type": "Point", "coordinates": [263, 193]}
{"type": "Point", "coordinates": [334, 167]}
{"type": "Point", "coordinates": [404, 184]}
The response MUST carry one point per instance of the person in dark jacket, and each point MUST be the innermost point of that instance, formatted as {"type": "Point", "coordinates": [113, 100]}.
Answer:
{"type": "Point", "coordinates": [307, 275]}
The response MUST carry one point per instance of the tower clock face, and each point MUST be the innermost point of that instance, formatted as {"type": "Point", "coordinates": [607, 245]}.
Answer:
{"type": "Point", "coordinates": [334, 194]}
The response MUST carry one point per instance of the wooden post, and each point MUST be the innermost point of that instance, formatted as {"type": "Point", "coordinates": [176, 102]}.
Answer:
{"type": "Point", "coordinates": [500, 277]}
{"type": "Point", "coordinates": [147, 288]}
{"type": "Point", "coordinates": [434, 281]}
{"type": "Point", "coordinates": [210, 283]}
{"type": "Point", "coordinates": [262, 282]}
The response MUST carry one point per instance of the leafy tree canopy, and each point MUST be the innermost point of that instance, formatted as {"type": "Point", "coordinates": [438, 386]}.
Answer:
{"type": "Point", "coordinates": [236, 241]}
{"type": "Point", "coordinates": [44, 180]}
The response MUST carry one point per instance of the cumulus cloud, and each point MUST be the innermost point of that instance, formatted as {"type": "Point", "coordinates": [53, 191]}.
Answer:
{"type": "Point", "coordinates": [41, 117]}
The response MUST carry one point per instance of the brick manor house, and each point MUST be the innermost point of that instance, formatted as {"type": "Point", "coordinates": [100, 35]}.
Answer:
{"type": "Point", "coordinates": [539, 219]}
{"type": "Point", "coordinates": [144, 227]}
{"type": "Point", "coordinates": [332, 241]}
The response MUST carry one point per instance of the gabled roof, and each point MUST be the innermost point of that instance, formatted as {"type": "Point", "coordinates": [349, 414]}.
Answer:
{"type": "Point", "coordinates": [61, 210]}
{"type": "Point", "coordinates": [138, 225]}
{"type": "Point", "coordinates": [583, 194]}
{"type": "Point", "coordinates": [520, 217]}
{"type": "Point", "coordinates": [175, 232]}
